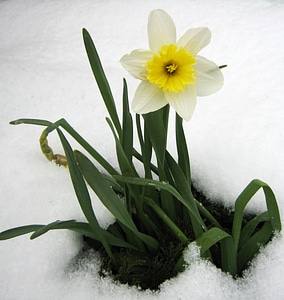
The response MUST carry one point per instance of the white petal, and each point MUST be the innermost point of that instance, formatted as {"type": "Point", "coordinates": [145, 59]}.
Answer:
{"type": "Point", "coordinates": [195, 39]}
{"type": "Point", "coordinates": [147, 98]}
{"type": "Point", "coordinates": [183, 102]}
{"type": "Point", "coordinates": [161, 30]}
{"type": "Point", "coordinates": [209, 78]}
{"type": "Point", "coordinates": [135, 63]}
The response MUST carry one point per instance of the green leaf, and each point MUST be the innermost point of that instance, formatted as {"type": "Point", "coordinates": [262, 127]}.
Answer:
{"type": "Point", "coordinates": [127, 126]}
{"type": "Point", "coordinates": [184, 188]}
{"type": "Point", "coordinates": [101, 79]}
{"type": "Point", "coordinates": [32, 122]}
{"type": "Point", "coordinates": [210, 238]}
{"type": "Point", "coordinates": [47, 227]}
{"type": "Point", "coordinates": [85, 229]}
{"type": "Point", "coordinates": [109, 198]}
{"type": "Point", "coordinates": [17, 231]}
{"type": "Point", "coordinates": [206, 214]}
{"type": "Point", "coordinates": [252, 246]}
{"type": "Point", "coordinates": [158, 184]}
{"type": "Point", "coordinates": [125, 165]}
{"type": "Point", "coordinates": [174, 228]}
{"type": "Point", "coordinates": [250, 227]}
{"type": "Point", "coordinates": [214, 236]}
{"type": "Point", "coordinates": [82, 192]}
{"type": "Point", "coordinates": [228, 256]}
{"type": "Point", "coordinates": [183, 157]}
{"type": "Point", "coordinates": [65, 125]}
{"type": "Point", "coordinates": [146, 149]}
{"type": "Point", "coordinates": [79, 227]}
{"type": "Point", "coordinates": [242, 202]}
{"type": "Point", "coordinates": [103, 190]}
{"type": "Point", "coordinates": [97, 156]}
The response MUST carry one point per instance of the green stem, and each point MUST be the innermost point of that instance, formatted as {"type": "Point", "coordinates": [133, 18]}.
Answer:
{"type": "Point", "coordinates": [156, 128]}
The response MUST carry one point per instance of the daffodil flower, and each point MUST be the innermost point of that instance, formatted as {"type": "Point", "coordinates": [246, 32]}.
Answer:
{"type": "Point", "coordinates": [171, 71]}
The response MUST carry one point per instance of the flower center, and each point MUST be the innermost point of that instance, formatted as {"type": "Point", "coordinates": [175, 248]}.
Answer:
{"type": "Point", "coordinates": [172, 68]}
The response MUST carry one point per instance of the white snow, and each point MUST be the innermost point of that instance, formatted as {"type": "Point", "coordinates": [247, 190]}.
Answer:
{"type": "Point", "coordinates": [234, 136]}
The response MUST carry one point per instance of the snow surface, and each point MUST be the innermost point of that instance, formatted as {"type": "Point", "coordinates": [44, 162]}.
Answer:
{"type": "Point", "coordinates": [234, 136]}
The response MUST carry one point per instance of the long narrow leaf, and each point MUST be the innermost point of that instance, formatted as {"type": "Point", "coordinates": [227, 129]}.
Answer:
{"type": "Point", "coordinates": [183, 186]}
{"type": "Point", "coordinates": [183, 157]}
{"type": "Point", "coordinates": [82, 192]}
{"type": "Point", "coordinates": [79, 227]}
{"type": "Point", "coordinates": [125, 165]}
{"type": "Point", "coordinates": [250, 227]}
{"type": "Point", "coordinates": [65, 125]}
{"type": "Point", "coordinates": [32, 122]}
{"type": "Point", "coordinates": [242, 202]}
{"type": "Point", "coordinates": [109, 198]}
{"type": "Point", "coordinates": [103, 190]}
{"type": "Point", "coordinates": [96, 155]}
{"type": "Point", "coordinates": [174, 228]}
{"type": "Point", "coordinates": [161, 185]}
{"type": "Point", "coordinates": [252, 246]}
{"type": "Point", "coordinates": [47, 227]}
{"type": "Point", "coordinates": [210, 238]}
{"type": "Point", "coordinates": [228, 256]}
{"type": "Point", "coordinates": [146, 148]}
{"type": "Point", "coordinates": [18, 231]}
{"type": "Point", "coordinates": [127, 125]}
{"type": "Point", "coordinates": [101, 79]}
{"type": "Point", "coordinates": [86, 230]}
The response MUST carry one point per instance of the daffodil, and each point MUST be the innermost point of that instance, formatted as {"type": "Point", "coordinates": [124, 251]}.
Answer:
{"type": "Point", "coordinates": [171, 71]}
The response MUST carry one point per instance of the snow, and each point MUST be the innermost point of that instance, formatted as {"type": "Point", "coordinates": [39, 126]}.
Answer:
{"type": "Point", "coordinates": [234, 136]}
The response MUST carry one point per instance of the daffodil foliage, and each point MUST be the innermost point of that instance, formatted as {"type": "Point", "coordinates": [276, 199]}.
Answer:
{"type": "Point", "coordinates": [156, 213]}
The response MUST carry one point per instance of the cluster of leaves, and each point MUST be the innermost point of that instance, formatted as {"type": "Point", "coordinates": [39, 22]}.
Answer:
{"type": "Point", "coordinates": [157, 215]}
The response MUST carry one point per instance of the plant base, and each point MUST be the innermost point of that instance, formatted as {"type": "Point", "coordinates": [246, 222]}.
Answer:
{"type": "Point", "coordinates": [149, 272]}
